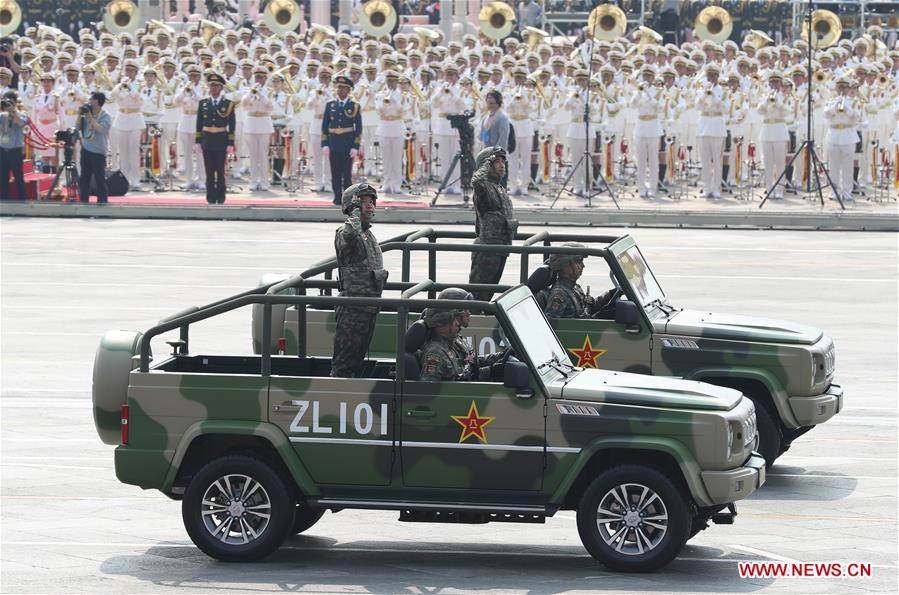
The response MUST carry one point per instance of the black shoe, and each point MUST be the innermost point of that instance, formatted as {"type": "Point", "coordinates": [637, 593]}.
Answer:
{"type": "Point", "coordinates": [336, 202]}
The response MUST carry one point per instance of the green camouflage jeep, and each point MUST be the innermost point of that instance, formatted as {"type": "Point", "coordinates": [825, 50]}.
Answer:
{"type": "Point", "coordinates": [787, 369]}
{"type": "Point", "coordinates": [258, 447]}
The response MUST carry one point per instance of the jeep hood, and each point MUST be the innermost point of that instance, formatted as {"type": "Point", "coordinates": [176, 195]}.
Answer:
{"type": "Point", "coordinates": [622, 388]}
{"type": "Point", "coordinates": [694, 323]}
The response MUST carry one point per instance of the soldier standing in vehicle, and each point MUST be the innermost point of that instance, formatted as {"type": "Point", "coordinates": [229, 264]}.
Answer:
{"type": "Point", "coordinates": [567, 298]}
{"type": "Point", "coordinates": [495, 222]}
{"type": "Point", "coordinates": [361, 274]}
{"type": "Point", "coordinates": [445, 356]}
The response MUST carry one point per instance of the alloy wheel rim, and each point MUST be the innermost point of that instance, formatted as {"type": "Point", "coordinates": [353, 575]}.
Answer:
{"type": "Point", "coordinates": [236, 509]}
{"type": "Point", "coordinates": [632, 519]}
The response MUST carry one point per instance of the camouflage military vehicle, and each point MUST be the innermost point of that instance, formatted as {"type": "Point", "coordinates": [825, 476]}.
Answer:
{"type": "Point", "coordinates": [257, 447]}
{"type": "Point", "coordinates": [787, 369]}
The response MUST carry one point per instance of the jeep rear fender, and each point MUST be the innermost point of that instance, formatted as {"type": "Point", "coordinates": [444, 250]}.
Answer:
{"type": "Point", "coordinates": [264, 430]}
{"type": "Point", "coordinates": [669, 447]}
{"type": "Point", "coordinates": [778, 395]}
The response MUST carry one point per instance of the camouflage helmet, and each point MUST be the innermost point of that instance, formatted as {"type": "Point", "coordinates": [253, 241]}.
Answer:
{"type": "Point", "coordinates": [560, 261]}
{"type": "Point", "coordinates": [438, 316]}
{"type": "Point", "coordinates": [352, 194]}
{"type": "Point", "coordinates": [489, 154]}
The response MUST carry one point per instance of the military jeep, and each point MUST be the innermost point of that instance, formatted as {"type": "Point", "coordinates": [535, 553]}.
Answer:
{"type": "Point", "coordinates": [787, 369]}
{"type": "Point", "coordinates": [258, 447]}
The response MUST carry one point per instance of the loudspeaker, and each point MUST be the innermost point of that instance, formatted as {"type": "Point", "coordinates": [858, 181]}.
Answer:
{"type": "Point", "coordinates": [116, 184]}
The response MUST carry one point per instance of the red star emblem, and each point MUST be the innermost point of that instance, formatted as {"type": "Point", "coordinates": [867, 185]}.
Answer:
{"type": "Point", "coordinates": [473, 424]}
{"type": "Point", "coordinates": [586, 355]}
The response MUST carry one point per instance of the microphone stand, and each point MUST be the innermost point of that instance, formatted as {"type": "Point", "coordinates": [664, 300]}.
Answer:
{"type": "Point", "coordinates": [586, 156]}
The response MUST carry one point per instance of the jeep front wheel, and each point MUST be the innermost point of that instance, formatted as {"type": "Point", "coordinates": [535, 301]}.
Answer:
{"type": "Point", "coordinates": [237, 509]}
{"type": "Point", "coordinates": [633, 518]}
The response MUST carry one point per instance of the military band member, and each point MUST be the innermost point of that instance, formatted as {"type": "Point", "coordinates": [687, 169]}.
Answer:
{"type": "Point", "coordinates": [319, 96]}
{"type": "Point", "coordinates": [45, 113]}
{"type": "Point", "coordinates": [391, 108]}
{"type": "Point", "coordinates": [843, 117]}
{"type": "Point", "coordinates": [647, 103]}
{"type": "Point", "coordinates": [215, 134]}
{"type": "Point", "coordinates": [773, 134]}
{"type": "Point", "coordinates": [341, 135]}
{"type": "Point", "coordinates": [128, 123]}
{"type": "Point", "coordinates": [447, 100]}
{"type": "Point", "coordinates": [188, 100]}
{"type": "Point", "coordinates": [711, 131]}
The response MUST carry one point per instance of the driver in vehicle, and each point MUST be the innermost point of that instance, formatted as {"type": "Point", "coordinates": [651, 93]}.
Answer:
{"type": "Point", "coordinates": [445, 355]}
{"type": "Point", "coordinates": [567, 298]}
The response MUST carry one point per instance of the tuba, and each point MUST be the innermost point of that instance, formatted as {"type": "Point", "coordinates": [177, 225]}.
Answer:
{"type": "Point", "coordinates": [826, 29]}
{"type": "Point", "coordinates": [713, 23]}
{"type": "Point", "coordinates": [121, 16]}
{"type": "Point", "coordinates": [497, 20]}
{"type": "Point", "coordinates": [208, 29]}
{"type": "Point", "coordinates": [533, 36]}
{"type": "Point", "coordinates": [377, 18]}
{"type": "Point", "coordinates": [606, 22]}
{"type": "Point", "coordinates": [426, 37]}
{"type": "Point", "coordinates": [10, 16]}
{"type": "Point", "coordinates": [318, 33]}
{"type": "Point", "coordinates": [758, 39]}
{"type": "Point", "coordinates": [281, 16]}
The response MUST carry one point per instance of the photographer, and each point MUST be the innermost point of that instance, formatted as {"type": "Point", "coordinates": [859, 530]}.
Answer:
{"type": "Point", "coordinates": [12, 144]}
{"type": "Point", "coordinates": [9, 60]}
{"type": "Point", "coordinates": [94, 125]}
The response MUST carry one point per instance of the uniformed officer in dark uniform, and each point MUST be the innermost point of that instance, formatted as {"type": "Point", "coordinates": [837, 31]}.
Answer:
{"type": "Point", "coordinates": [215, 134]}
{"type": "Point", "coordinates": [341, 135]}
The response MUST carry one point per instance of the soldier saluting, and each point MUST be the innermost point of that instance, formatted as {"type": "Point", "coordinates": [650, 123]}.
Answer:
{"type": "Point", "coordinates": [215, 135]}
{"type": "Point", "coordinates": [495, 222]}
{"type": "Point", "coordinates": [341, 135]}
{"type": "Point", "coordinates": [361, 273]}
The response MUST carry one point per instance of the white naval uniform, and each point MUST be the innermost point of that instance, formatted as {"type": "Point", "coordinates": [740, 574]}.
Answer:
{"type": "Point", "coordinates": [774, 137]}
{"type": "Point", "coordinates": [711, 133]}
{"type": "Point", "coordinates": [315, 105]}
{"type": "Point", "coordinates": [168, 121]}
{"type": "Point", "coordinates": [521, 107]}
{"type": "Point", "coordinates": [391, 108]}
{"type": "Point", "coordinates": [188, 100]}
{"type": "Point", "coordinates": [647, 106]}
{"type": "Point", "coordinates": [365, 93]}
{"type": "Point", "coordinates": [258, 131]}
{"type": "Point", "coordinates": [45, 113]}
{"type": "Point", "coordinates": [842, 135]}
{"type": "Point", "coordinates": [127, 126]}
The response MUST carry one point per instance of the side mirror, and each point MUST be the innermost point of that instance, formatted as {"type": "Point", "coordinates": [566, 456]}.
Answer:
{"type": "Point", "coordinates": [626, 313]}
{"type": "Point", "coordinates": [516, 374]}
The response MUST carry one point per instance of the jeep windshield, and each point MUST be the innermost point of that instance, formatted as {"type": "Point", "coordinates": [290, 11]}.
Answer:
{"type": "Point", "coordinates": [534, 333]}
{"type": "Point", "coordinates": [639, 276]}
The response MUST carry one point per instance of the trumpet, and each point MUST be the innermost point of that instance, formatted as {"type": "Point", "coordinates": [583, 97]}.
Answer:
{"type": "Point", "coordinates": [772, 98]}
{"type": "Point", "coordinates": [842, 105]}
{"type": "Point", "coordinates": [708, 92]}
{"type": "Point", "coordinates": [446, 88]}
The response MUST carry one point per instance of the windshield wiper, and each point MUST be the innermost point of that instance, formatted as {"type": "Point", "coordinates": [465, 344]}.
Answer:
{"type": "Point", "coordinates": [556, 365]}
{"type": "Point", "coordinates": [662, 305]}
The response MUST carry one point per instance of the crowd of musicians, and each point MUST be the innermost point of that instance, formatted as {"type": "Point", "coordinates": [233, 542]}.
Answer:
{"type": "Point", "coordinates": [652, 106]}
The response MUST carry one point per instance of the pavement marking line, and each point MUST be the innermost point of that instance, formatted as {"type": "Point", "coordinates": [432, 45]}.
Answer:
{"type": "Point", "coordinates": [770, 555]}
{"type": "Point", "coordinates": [822, 476]}
{"type": "Point", "coordinates": [52, 439]}
{"type": "Point", "coordinates": [46, 390]}
{"type": "Point", "coordinates": [55, 458]}
{"type": "Point", "coordinates": [128, 285]}
{"type": "Point", "coordinates": [38, 466]}
{"type": "Point", "coordinates": [91, 498]}
{"type": "Point", "coordinates": [764, 278]}
{"type": "Point", "coordinates": [811, 517]}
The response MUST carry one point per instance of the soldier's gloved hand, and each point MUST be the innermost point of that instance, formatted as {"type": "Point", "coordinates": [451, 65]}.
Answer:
{"type": "Point", "coordinates": [353, 153]}
{"type": "Point", "coordinates": [326, 151]}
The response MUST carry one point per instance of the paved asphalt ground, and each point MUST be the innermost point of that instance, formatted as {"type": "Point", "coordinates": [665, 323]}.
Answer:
{"type": "Point", "coordinates": [68, 526]}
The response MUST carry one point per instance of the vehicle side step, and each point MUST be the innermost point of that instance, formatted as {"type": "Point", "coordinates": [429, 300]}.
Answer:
{"type": "Point", "coordinates": [471, 518]}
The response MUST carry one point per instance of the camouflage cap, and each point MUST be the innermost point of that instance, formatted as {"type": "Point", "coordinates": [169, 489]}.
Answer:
{"type": "Point", "coordinates": [353, 193]}
{"type": "Point", "coordinates": [489, 154]}
{"type": "Point", "coordinates": [560, 261]}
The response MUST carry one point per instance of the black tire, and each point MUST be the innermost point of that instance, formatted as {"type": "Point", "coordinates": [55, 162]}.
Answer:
{"type": "Point", "coordinates": [616, 544]}
{"type": "Point", "coordinates": [260, 490]}
{"type": "Point", "coordinates": [305, 517]}
{"type": "Point", "coordinates": [770, 435]}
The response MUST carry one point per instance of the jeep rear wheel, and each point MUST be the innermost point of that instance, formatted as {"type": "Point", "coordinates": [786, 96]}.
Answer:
{"type": "Point", "coordinates": [633, 518]}
{"type": "Point", "coordinates": [237, 509]}
{"type": "Point", "coordinates": [770, 437]}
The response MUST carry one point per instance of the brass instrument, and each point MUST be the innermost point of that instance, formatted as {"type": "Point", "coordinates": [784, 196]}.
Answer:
{"type": "Point", "coordinates": [606, 22]}
{"type": "Point", "coordinates": [841, 107]}
{"type": "Point", "coordinates": [826, 27]}
{"type": "Point", "coordinates": [883, 80]}
{"type": "Point", "coordinates": [477, 94]}
{"type": "Point", "coordinates": [121, 16]}
{"type": "Point", "coordinates": [207, 30]}
{"type": "Point", "coordinates": [318, 33]}
{"type": "Point", "coordinates": [154, 24]}
{"type": "Point", "coordinates": [497, 20]}
{"type": "Point", "coordinates": [645, 35]}
{"type": "Point", "coordinates": [416, 89]}
{"type": "Point", "coordinates": [377, 18]}
{"type": "Point", "coordinates": [713, 23]}
{"type": "Point", "coordinates": [819, 77]}
{"type": "Point", "coordinates": [758, 39]}
{"type": "Point", "coordinates": [772, 98]}
{"type": "Point", "coordinates": [281, 16]}
{"type": "Point", "coordinates": [161, 82]}
{"type": "Point", "coordinates": [287, 82]}
{"type": "Point", "coordinates": [10, 16]}
{"type": "Point", "coordinates": [426, 37]}
{"type": "Point", "coordinates": [534, 36]}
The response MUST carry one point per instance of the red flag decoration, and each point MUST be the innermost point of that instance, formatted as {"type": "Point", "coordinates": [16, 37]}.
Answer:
{"type": "Point", "coordinates": [682, 158]}
{"type": "Point", "coordinates": [669, 171]}
{"type": "Point", "coordinates": [361, 161]}
{"type": "Point", "coordinates": [155, 156]}
{"type": "Point", "coordinates": [608, 159]}
{"type": "Point", "coordinates": [623, 152]}
{"type": "Point", "coordinates": [805, 167]}
{"type": "Point", "coordinates": [896, 168]}
{"type": "Point", "coordinates": [874, 162]}
{"type": "Point", "coordinates": [173, 155]}
{"type": "Point", "coordinates": [738, 161]}
{"type": "Point", "coordinates": [547, 162]}
{"type": "Point", "coordinates": [410, 159]}
{"type": "Point", "coordinates": [288, 157]}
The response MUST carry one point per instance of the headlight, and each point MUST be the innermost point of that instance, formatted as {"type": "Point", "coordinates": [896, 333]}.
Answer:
{"type": "Point", "coordinates": [749, 429]}
{"type": "Point", "coordinates": [814, 365]}
{"type": "Point", "coordinates": [730, 440]}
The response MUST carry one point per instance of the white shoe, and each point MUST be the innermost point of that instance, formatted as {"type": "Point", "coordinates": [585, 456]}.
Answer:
{"type": "Point", "coordinates": [650, 194]}
{"type": "Point", "coordinates": [254, 187]}
{"type": "Point", "coordinates": [263, 187]}
{"type": "Point", "coordinates": [716, 195]}
{"type": "Point", "coordinates": [642, 193]}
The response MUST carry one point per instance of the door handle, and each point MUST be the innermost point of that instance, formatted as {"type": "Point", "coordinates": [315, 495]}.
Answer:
{"type": "Point", "coordinates": [420, 412]}
{"type": "Point", "coordinates": [287, 406]}
{"type": "Point", "coordinates": [524, 394]}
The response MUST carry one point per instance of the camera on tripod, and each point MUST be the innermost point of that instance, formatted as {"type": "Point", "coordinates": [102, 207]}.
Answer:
{"type": "Point", "coordinates": [67, 136]}
{"type": "Point", "coordinates": [462, 123]}
{"type": "Point", "coordinates": [6, 104]}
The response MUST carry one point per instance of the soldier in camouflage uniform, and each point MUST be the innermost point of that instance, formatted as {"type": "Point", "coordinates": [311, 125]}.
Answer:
{"type": "Point", "coordinates": [446, 355]}
{"type": "Point", "coordinates": [361, 274]}
{"type": "Point", "coordinates": [495, 222]}
{"type": "Point", "coordinates": [567, 298]}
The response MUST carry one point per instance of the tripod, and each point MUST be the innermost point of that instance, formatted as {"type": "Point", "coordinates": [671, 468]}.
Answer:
{"type": "Point", "coordinates": [68, 173]}
{"type": "Point", "coordinates": [585, 157]}
{"type": "Point", "coordinates": [463, 158]}
{"type": "Point", "coordinates": [812, 160]}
